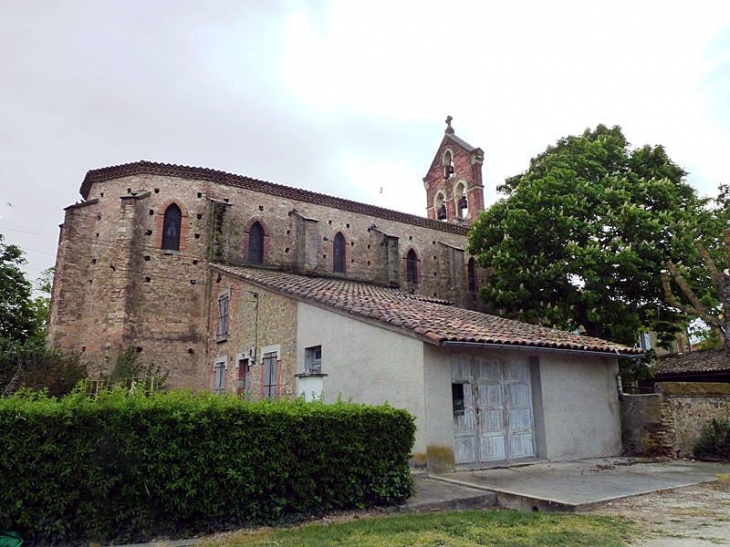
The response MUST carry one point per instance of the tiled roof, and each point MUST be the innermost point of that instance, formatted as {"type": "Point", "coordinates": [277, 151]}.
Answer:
{"type": "Point", "coordinates": [239, 181]}
{"type": "Point", "coordinates": [434, 320]}
{"type": "Point", "coordinates": [713, 360]}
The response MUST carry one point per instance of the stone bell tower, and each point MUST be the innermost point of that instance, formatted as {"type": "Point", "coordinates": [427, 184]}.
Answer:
{"type": "Point", "coordinates": [454, 189]}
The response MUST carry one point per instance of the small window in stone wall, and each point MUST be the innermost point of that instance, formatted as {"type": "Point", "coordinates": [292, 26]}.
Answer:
{"type": "Point", "coordinates": [338, 250]}
{"type": "Point", "coordinates": [223, 302]}
{"type": "Point", "coordinates": [171, 228]}
{"type": "Point", "coordinates": [256, 244]}
{"type": "Point", "coordinates": [242, 382]}
{"type": "Point", "coordinates": [472, 275]}
{"type": "Point", "coordinates": [412, 267]}
{"type": "Point", "coordinates": [313, 360]}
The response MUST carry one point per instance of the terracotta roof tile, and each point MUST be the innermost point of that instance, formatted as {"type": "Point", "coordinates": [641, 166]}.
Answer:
{"type": "Point", "coordinates": [297, 194]}
{"type": "Point", "coordinates": [430, 318]}
{"type": "Point", "coordinates": [713, 360]}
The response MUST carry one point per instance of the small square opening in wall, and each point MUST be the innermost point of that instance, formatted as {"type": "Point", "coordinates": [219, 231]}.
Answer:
{"type": "Point", "coordinates": [225, 200]}
{"type": "Point", "coordinates": [152, 212]}
{"type": "Point", "coordinates": [313, 360]}
{"type": "Point", "coordinates": [352, 243]}
{"type": "Point", "coordinates": [261, 207]}
{"type": "Point", "coordinates": [147, 258]}
{"type": "Point", "coordinates": [410, 238]}
{"type": "Point", "coordinates": [157, 190]}
{"type": "Point", "coordinates": [101, 194]}
{"type": "Point", "coordinates": [195, 262]}
{"type": "Point", "coordinates": [148, 233]}
{"type": "Point", "coordinates": [457, 399]}
{"type": "Point", "coordinates": [288, 232]}
{"type": "Point", "coordinates": [197, 236]}
{"type": "Point", "coordinates": [200, 194]}
{"type": "Point", "coordinates": [147, 279]}
{"type": "Point", "coordinates": [348, 224]}
{"type": "Point", "coordinates": [199, 216]}
{"type": "Point", "coordinates": [93, 261]}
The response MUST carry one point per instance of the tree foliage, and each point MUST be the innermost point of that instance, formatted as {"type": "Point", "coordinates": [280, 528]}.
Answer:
{"type": "Point", "coordinates": [17, 320]}
{"type": "Point", "coordinates": [581, 236]}
{"type": "Point", "coordinates": [699, 285]}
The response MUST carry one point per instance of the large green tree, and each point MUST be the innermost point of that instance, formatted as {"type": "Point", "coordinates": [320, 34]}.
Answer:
{"type": "Point", "coordinates": [581, 236]}
{"type": "Point", "coordinates": [17, 318]}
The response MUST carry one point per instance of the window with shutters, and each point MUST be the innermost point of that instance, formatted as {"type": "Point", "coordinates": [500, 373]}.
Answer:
{"type": "Point", "coordinates": [223, 304]}
{"type": "Point", "coordinates": [219, 376]}
{"type": "Point", "coordinates": [171, 228]}
{"type": "Point", "coordinates": [270, 372]}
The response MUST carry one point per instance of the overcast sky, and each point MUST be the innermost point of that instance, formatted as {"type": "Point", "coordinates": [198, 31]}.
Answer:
{"type": "Point", "coordinates": [342, 97]}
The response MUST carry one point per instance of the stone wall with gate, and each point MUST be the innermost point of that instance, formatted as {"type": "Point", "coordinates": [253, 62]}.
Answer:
{"type": "Point", "coordinates": [670, 421]}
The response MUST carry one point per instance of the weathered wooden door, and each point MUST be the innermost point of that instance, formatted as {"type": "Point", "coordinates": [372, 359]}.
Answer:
{"type": "Point", "coordinates": [492, 410]}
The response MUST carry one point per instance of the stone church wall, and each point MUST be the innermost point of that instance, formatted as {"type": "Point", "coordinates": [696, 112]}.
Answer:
{"type": "Point", "coordinates": [115, 287]}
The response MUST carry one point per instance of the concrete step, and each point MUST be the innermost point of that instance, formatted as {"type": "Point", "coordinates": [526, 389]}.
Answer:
{"type": "Point", "coordinates": [436, 495]}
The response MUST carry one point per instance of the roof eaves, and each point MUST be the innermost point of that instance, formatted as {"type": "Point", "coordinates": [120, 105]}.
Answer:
{"type": "Point", "coordinates": [280, 190]}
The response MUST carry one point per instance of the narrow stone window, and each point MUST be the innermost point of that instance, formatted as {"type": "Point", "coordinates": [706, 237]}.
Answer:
{"type": "Point", "coordinates": [338, 248]}
{"type": "Point", "coordinates": [472, 275]}
{"type": "Point", "coordinates": [171, 228]}
{"type": "Point", "coordinates": [256, 244]}
{"type": "Point", "coordinates": [412, 267]}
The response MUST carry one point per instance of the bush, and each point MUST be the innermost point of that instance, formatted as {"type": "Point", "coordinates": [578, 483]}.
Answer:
{"type": "Point", "coordinates": [32, 365]}
{"type": "Point", "coordinates": [714, 443]}
{"type": "Point", "coordinates": [134, 466]}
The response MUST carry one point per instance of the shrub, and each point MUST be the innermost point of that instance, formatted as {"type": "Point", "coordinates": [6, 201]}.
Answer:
{"type": "Point", "coordinates": [32, 365]}
{"type": "Point", "coordinates": [714, 443]}
{"type": "Point", "coordinates": [133, 466]}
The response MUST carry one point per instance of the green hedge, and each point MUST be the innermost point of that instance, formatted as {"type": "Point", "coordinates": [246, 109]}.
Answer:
{"type": "Point", "coordinates": [714, 443]}
{"type": "Point", "coordinates": [132, 467]}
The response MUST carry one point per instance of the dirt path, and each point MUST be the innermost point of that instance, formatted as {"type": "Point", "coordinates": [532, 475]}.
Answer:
{"type": "Point", "coordinates": [698, 516]}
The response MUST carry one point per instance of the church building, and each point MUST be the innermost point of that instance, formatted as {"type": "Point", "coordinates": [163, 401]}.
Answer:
{"type": "Point", "coordinates": [238, 285]}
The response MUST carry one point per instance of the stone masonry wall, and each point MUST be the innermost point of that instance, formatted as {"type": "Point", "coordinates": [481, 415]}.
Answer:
{"type": "Point", "coordinates": [670, 422]}
{"type": "Point", "coordinates": [115, 287]}
{"type": "Point", "coordinates": [256, 319]}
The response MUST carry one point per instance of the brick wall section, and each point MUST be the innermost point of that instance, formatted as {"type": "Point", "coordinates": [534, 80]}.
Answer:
{"type": "Point", "coordinates": [467, 171]}
{"type": "Point", "coordinates": [115, 287]}
{"type": "Point", "coordinates": [670, 422]}
{"type": "Point", "coordinates": [257, 318]}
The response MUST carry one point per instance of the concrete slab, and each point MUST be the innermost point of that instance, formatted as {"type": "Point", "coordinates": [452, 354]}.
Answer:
{"type": "Point", "coordinates": [582, 485]}
{"type": "Point", "coordinates": [436, 495]}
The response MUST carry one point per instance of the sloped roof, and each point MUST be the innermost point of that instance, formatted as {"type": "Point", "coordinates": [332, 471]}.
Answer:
{"type": "Point", "coordinates": [712, 360]}
{"type": "Point", "coordinates": [461, 142]}
{"type": "Point", "coordinates": [434, 320]}
{"type": "Point", "coordinates": [288, 192]}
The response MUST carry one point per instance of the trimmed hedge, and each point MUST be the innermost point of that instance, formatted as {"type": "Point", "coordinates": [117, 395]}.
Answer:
{"type": "Point", "coordinates": [130, 467]}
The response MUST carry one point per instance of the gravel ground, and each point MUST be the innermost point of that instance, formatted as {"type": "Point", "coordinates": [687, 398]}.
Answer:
{"type": "Point", "coordinates": [698, 516]}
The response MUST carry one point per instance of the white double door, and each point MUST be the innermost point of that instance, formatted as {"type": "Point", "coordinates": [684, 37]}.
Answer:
{"type": "Point", "coordinates": [495, 421]}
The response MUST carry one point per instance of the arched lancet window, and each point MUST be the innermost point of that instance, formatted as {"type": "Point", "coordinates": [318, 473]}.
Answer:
{"type": "Point", "coordinates": [448, 164]}
{"type": "Point", "coordinates": [440, 207]}
{"type": "Point", "coordinates": [460, 196]}
{"type": "Point", "coordinates": [412, 267]}
{"type": "Point", "coordinates": [171, 228]}
{"type": "Point", "coordinates": [472, 274]}
{"type": "Point", "coordinates": [256, 244]}
{"type": "Point", "coordinates": [338, 253]}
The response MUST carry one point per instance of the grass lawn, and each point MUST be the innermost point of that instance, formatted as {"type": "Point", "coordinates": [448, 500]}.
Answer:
{"type": "Point", "coordinates": [456, 529]}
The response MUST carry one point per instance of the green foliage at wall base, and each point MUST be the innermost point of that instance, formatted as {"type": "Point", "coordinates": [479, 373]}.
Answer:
{"type": "Point", "coordinates": [131, 466]}
{"type": "Point", "coordinates": [714, 443]}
